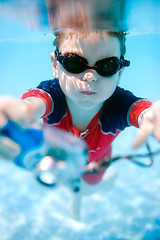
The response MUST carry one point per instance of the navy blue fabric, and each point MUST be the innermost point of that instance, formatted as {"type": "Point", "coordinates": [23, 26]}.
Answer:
{"type": "Point", "coordinates": [115, 110]}
{"type": "Point", "coordinates": [60, 106]}
{"type": "Point", "coordinates": [114, 113]}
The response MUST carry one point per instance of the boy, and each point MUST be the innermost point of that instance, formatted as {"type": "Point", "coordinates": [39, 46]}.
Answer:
{"type": "Point", "coordinates": [87, 101]}
{"type": "Point", "coordinates": [84, 97]}
{"type": "Point", "coordinates": [82, 94]}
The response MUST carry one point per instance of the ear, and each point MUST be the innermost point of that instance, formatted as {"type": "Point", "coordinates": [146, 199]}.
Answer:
{"type": "Point", "coordinates": [54, 65]}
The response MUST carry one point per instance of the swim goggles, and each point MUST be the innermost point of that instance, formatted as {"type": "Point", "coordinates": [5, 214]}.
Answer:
{"type": "Point", "coordinates": [106, 67]}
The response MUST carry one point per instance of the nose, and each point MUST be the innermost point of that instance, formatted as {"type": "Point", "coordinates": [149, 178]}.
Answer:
{"type": "Point", "coordinates": [90, 76]}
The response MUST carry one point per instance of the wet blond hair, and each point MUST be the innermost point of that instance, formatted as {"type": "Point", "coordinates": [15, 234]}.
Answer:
{"type": "Point", "coordinates": [59, 36]}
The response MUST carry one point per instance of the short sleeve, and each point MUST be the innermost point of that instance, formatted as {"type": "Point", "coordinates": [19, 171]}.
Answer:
{"type": "Point", "coordinates": [52, 87]}
{"type": "Point", "coordinates": [136, 110]}
{"type": "Point", "coordinates": [39, 93]}
{"type": "Point", "coordinates": [121, 110]}
{"type": "Point", "coordinates": [53, 97]}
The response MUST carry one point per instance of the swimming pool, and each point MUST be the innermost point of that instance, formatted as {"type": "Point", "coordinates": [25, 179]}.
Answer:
{"type": "Point", "coordinates": [131, 209]}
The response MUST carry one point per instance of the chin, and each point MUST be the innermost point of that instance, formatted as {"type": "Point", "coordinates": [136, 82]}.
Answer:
{"type": "Point", "coordinates": [87, 105]}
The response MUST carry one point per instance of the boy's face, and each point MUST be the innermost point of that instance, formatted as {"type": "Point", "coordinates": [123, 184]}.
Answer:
{"type": "Point", "coordinates": [88, 89]}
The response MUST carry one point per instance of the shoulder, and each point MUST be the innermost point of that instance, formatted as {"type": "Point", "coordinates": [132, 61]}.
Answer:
{"type": "Point", "coordinates": [53, 88]}
{"type": "Point", "coordinates": [115, 110]}
{"type": "Point", "coordinates": [50, 86]}
{"type": "Point", "coordinates": [58, 98]}
{"type": "Point", "coordinates": [121, 99]}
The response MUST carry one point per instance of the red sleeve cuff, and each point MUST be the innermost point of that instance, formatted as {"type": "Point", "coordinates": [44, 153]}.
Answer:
{"type": "Point", "coordinates": [44, 96]}
{"type": "Point", "coordinates": [136, 110]}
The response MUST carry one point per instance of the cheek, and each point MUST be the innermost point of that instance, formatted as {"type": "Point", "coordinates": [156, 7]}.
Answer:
{"type": "Point", "coordinates": [67, 83]}
{"type": "Point", "coordinates": [109, 85]}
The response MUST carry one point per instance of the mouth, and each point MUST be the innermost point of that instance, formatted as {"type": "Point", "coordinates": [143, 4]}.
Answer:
{"type": "Point", "coordinates": [87, 93]}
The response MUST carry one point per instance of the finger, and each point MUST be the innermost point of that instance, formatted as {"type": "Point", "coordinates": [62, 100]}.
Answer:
{"type": "Point", "coordinates": [8, 149]}
{"type": "Point", "coordinates": [16, 110]}
{"type": "Point", "coordinates": [17, 113]}
{"type": "Point", "coordinates": [157, 133]}
{"type": "Point", "coordinates": [3, 120]}
{"type": "Point", "coordinates": [143, 133]}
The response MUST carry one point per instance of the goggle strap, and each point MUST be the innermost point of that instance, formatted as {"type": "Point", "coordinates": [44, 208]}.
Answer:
{"type": "Point", "coordinates": [125, 62]}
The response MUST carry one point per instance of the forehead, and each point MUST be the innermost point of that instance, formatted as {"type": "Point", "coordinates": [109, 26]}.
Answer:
{"type": "Point", "coordinates": [91, 44]}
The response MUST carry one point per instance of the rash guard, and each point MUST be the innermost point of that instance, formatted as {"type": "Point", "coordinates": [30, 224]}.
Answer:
{"type": "Point", "coordinates": [121, 110]}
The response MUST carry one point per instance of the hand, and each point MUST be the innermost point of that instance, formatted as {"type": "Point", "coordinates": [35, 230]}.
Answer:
{"type": "Point", "coordinates": [18, 111]}
{"type": "Point", "coordinates": [150, 125]}
{"type": "Point", "coordinates": [8, 149]}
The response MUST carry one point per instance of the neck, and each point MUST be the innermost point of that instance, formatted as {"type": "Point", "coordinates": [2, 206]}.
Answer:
{"type": "Point", "coordinates": [81, 117]}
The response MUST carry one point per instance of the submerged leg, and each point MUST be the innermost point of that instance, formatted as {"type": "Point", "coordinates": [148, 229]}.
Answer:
{"type": "Point", "coordinates": [75, 205]}
{"type": "Point", "coordinates": [105, 184]}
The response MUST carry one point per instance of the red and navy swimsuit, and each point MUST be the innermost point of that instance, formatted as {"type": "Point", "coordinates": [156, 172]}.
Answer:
{"type": "Point", "coordinates": [121, 110]}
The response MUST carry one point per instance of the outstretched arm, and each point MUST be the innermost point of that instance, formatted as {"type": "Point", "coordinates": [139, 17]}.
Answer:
{"type": "Point", "coordinates": [23, 112]}
{"type": "Point", "coordinates": [149, 125]}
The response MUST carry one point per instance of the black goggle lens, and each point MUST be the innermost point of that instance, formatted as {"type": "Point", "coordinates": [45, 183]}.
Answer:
{"type": "Point", "coordinates": [108, 67]}
{"type": "Point", "coordinates": [74, 63]}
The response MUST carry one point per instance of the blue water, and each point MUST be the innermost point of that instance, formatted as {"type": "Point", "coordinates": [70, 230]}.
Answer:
{"type": "Point", "coordinates": [131, 209]}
